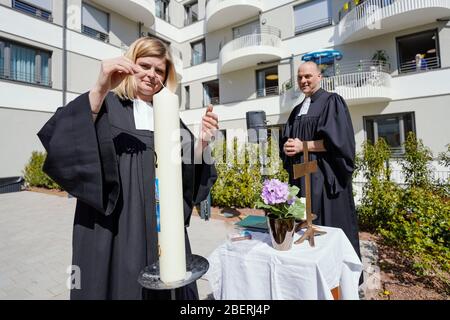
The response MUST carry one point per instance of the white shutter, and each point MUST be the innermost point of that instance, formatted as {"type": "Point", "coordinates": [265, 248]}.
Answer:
{"type": "Point", "coordinates": [95, 19]}
{"type": "Point", "coordinates": [42, 4]}
{"type": "Point", "coordinates": [311, 13]}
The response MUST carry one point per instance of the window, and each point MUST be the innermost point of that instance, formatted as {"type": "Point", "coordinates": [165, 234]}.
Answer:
{"type": "Point", "coordinates": [198, 52]}
{"type": "Point", "coordinates": [312, 15]}
{"type": "Point", "coordinates": [191, 13]}
{"type": "Point", "coordinates": [187, 94]}
{"type": "Point", "coordinates": [418, 52]}
{"type": "Point", "coordinates": [95, 23]}
{"type": "Point", "coordinates": [23, 63]}
{"type": "Point", "coordinates": [162, 9]}
{"type": "Point", "coordinates": [267, 82]}
{"type": "Point", "coordinates": [38, 8]}
{"type": "Point", "coordinates": [246, 29]}
{"type": "Point", "coordinates": [393, 128]}
{"type": "Point", "coordinates": [211, 93]}
{"type": "Point", "coordinates": [2, 59]}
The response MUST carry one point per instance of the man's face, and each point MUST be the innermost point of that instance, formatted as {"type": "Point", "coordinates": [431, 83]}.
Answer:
{"type": "Point", "coordinates": [308, 78]}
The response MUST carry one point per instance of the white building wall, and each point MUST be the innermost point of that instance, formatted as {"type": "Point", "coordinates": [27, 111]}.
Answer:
{"type": "Point", "coordinates": [18, 138]}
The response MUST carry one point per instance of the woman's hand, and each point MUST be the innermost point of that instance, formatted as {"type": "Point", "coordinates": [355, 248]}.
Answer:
{"type": "Point", "coordinates": [112, 73]}
{"type": "Point", "coordinates": [210, 124]}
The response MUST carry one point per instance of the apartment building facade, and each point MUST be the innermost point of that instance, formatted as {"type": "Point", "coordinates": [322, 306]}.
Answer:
{"type": "Point", "coordinates": [239, 55]}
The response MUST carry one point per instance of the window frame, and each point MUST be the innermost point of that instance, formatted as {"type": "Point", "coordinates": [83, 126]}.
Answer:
{"type": "Point", "coordinates": [378, 117]}
{"type": "Point", "coordinates": [36, 14]}
{"type": "Point", "coordinates": [326, 22]}
{"type": "Point", "coordinates": [204, 84]}
{"type": "Point", "coordinates": [5, 45]}
{"type": "Point", "coordinates": [437, 45]}
{"type": "Point", "coordinates": [187, 97]}
{"type": "Point", "coordinates": [203, 51]}
{"type": "Point", "coordinates": [101, 33]}
{"type": "Point", "coordinates": [264, 89]}
{"type": "Point", "coordinates": [165, 4]}
{"type": "Point", "coordinates": [188, 12]}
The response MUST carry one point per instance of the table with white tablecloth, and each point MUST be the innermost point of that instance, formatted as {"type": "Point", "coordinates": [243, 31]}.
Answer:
{"type": "Point", "coordinates": [252, 269]}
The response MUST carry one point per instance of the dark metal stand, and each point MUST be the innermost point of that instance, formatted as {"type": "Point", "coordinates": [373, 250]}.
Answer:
{"type": "Point", "coordinates": [196, 267]}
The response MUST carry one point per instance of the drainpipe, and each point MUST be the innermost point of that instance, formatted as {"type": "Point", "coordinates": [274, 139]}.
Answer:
{"type": "Point", "coordinates": [141, 34]}
{"type": "Point", "coordinates": [291, 61]}
{"type": "Point", "coordinates": [64, 62]}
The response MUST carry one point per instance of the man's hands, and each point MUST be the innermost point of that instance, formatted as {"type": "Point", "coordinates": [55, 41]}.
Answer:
{"type": "Point", "coordinates": [210, 124]}
{"type": "Point", "coordinates": [292, 147]}
{"type": "Point", "coordinates": [295, 146]}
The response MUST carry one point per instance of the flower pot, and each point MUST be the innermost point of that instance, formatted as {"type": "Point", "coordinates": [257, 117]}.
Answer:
{"type": "Point", "coordinates": [281, 232]}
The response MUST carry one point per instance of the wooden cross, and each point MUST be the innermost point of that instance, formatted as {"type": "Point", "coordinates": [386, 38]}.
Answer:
{"type": "Point", "coordinates": [304, 170]}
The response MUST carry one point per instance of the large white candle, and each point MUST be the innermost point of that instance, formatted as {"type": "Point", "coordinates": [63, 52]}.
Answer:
{"type": "Point", "coordinates": [172, 256]}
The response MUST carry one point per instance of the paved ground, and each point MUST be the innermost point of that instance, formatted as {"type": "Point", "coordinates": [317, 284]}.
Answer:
{"type": "Point", "coordinates": [35, 245]}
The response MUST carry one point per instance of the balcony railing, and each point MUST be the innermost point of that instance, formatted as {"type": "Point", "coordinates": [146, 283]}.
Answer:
{"type": "Point", "coordinates": [425, 65]}
{"type": "Point", "coordinates": [214, 100]}
{"type": "Point", "coordinates": [32, 10]}
{"type": "Point", "coordinates": [94, 34]}
{"type": "Point", "coordinates": [25, 77]}
{"type": "Point", "coordinates": [369, 14]}
{"type": "Point", "coordinates": [267, 35]}
{"type": "Point", "coordinates": [268, 91]}
{"type": "Point", "coordinates": [313, 25]}
{"type": "Point", "coordinates": [362, 66]}
{"type": "Point", "coordinates": [360, 85]}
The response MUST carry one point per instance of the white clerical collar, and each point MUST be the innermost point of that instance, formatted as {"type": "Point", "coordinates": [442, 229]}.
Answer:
{"type": "Point", "coordinates": [305, 106]}
{"type": "Point", "coordinates": [143, 115]}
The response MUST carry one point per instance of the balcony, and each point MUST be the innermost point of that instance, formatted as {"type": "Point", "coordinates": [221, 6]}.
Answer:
{"type": "Point", "coordinates": [360, 82]}
{"type": "Point", "coordinates": [222, 13]}
{"type": "Point", "coordinates": [135, 10]}
{"type": "Point", "coordinates": [376, 17]}
{"type": "Point", "coordinates": [249, 50]}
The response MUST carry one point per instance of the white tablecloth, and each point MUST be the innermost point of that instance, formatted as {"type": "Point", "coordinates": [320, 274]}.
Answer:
{"type": "Point", "coordinates": [252, 269]}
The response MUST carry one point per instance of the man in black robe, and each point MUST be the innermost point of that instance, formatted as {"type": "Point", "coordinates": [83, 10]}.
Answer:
{"type": "Point", "coordinates": [323, 120]}
{"type": "Point", "coordinates": [95, 152]}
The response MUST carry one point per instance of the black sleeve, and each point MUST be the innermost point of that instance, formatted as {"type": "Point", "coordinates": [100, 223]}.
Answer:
{"type": "Point", "coordinates": [198, 178]}
{"type": "Point", "coordinates": [81, 156]}
{"type": "Point", "coordinates": [286, 133]}
{"type": "Point", "coordinates": [204, 179]}
{"type": "Point", "coordinates": [335, 126]}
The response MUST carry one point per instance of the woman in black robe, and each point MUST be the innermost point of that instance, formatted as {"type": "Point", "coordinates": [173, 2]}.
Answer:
{"type": "Point", "coordinates": [327, 126]}
{"type": "Point", "coordinates": [97, 155]}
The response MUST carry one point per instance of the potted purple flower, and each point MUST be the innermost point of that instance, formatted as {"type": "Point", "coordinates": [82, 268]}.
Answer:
{"type": "Point", "coordinates": [283, 208]}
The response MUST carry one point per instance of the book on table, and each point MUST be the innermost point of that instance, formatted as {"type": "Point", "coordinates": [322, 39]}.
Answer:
{"type": "Point", "coordinates": [254, 223]}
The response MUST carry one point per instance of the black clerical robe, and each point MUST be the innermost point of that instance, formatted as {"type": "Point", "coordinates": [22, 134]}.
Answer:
{"type": "Point", "coordinates": [109, 166]}
{"type": "Point", "coordinates": [327, 119]}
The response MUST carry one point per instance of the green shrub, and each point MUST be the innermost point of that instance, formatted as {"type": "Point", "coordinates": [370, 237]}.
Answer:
{"type": "Point", "coordinates": [380, 195]}
{"type": "Point", "coordinates": [415, 164]}
{"type": "Point", "coordinates": [414, 219]}
{"type": "Point", "coordinates": [239, 181]}
{"type": "Point", "coordinates": [33, 174]}
{"type": "Point", "coordinates": [444, 157]}
{"type": "Point", "coordinates": [420, 227]}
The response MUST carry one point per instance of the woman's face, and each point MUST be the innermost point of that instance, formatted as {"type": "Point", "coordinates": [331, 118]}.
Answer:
{"type": "Point", "coordinates": [150, 78]}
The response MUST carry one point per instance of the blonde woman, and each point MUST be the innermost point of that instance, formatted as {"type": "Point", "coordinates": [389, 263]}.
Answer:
{"type": "Point", "coordinates": [100, 150]}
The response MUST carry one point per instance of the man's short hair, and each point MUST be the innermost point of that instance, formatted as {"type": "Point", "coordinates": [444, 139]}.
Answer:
{"type": "Point", "coordinates": [314, 64]}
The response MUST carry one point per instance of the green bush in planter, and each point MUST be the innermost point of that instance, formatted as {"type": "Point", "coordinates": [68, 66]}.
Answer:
{"type": "Point", "coordinates": [33, 174]}
{"type": "Point", "coordinates": [239, 181]}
